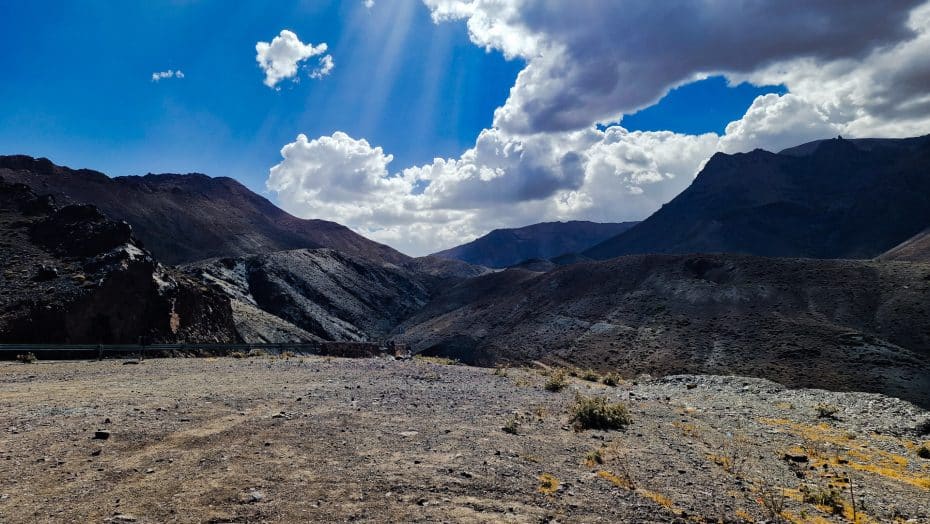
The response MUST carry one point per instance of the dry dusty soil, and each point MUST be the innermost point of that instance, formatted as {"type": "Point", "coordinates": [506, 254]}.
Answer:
{"type": "Point", "coordinates": [311, 439]}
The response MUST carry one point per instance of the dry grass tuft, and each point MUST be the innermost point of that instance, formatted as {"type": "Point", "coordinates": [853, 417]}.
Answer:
{"type": "Point", "coordinates": [599, 413]}
{"type": "Point", "coordinates": [557, 381]}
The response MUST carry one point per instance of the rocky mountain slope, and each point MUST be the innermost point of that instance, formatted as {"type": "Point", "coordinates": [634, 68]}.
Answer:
{"type": "Point", "coordinates": [916, 249]}
{"type": "Point", "coordinates": [71, 275]}
{"type": "Point", "coordinates": [315, 294]}
{"type": "Point", "coordinates": [506, 247]}
{"type": "Point", "coordinates": [847, 325]}
{"type": "Point", "coordinates": [827, 199]}
{"type": "Point", "coordinates": [183, 218]}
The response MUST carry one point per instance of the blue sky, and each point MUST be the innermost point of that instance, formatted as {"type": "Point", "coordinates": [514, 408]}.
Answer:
{"type": "Point", "coordinates": [78, 88]}
{"type": "Point", "coordinates": [444, 119]}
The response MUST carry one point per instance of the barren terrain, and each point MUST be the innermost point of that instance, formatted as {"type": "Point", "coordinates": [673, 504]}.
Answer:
{"type": "Point", "coordinates": [314, 439]}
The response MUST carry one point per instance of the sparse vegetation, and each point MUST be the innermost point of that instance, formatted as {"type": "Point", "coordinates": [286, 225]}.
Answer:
{"type": "Point", "coordinates": [557, 381]}
{"type": "Point", "coordinates": [599, 413]}
{"type": "Point", "coordinates": [237, 354]}
{"type": "Point", "coordinates": [512, 425]}
{"type": "Point", "coordinates": [611, 379]}
{"type": "Point", "coordinates": [548, 484]}
{"type": "Point", "coordinates": [27, 358]}
{"type": "Point", "coordinates": [256, 352]}
{"type": "Point", "coordinates": [593, 458]}
{"type": "Point", "coordinates": [734, 453]}
{"type": "Point", "coordinates": [772, 499]}
{"type": "Point", "coordinates": [590, 375]}
{"type": "Point", "coordinates": [500, 371]}
{"type": "Point", "coordinates": [828, 497]}
{"type": "Point", "coordinates": [444, 361]}
{"type": "Point", "coordinates": [827, 411]}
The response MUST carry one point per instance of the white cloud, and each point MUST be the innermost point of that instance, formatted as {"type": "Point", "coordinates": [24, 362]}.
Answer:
{"type": "Point", "coordinates": [280, 58]}
{"type": "Point", "coordinates": [325, 67]}
{"type": "Point", "coordinates": [595, 61]}
{"type": "Point", "coordinates": [161, 75]}
{"type": "Point", "coordinates": [852, 69]}
{"type": "Point", "coordinates": [368, 3]}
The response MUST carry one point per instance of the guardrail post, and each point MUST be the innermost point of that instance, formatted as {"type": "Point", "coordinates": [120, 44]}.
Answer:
{"type": "Point", "coordinates": [99, 352]}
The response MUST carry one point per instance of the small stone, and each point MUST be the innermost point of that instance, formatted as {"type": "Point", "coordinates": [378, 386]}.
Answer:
{"type": "Point", "coordinates": [101, 435]}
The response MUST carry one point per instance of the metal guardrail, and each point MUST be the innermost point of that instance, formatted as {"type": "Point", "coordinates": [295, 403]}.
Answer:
{"type": "Point", "coordinates": [101, 350]}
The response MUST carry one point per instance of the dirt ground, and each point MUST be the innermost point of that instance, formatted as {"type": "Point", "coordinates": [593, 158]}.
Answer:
{"type": "Point", "coordinates": [313, 439]}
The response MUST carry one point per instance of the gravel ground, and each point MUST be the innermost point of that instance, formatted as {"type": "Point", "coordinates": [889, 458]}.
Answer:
{"type": "Point", "coordinates": [312, 439]}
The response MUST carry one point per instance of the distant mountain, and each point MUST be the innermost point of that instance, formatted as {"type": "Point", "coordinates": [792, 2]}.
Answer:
{"type": "Point", "coordinates": [826, 199]}
{"type": "Point", "coordinates": [506, 247]}
{"type": "Point", "coordinates": [835, 324]}
{"type": "Point", "coordinates": [183, 218]}
{"type": "Point", "coordinates": [914, 249]}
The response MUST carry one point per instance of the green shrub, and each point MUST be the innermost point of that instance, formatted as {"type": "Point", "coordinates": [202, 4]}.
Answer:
{"type": "Point", "coordinates": [599, 413]}
{"type": "Point", "coordinates": [590, 375]}
{"type": "Point", "coordinates": [27, 358]}
{"type": "Point", "coordinates": [557, 381]}
{"type": "Point", "coordinates": [828, 497]}
{"type": "Point", "coordinates": [611, 380]}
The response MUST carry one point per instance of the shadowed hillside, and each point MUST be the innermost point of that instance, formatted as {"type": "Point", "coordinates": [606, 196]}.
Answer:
{"type": "Point", "coordinates": [827, 199]}
{"type": "Point", "coordinates": [859, 325]}
{"type": "Point", "coordinates": [506, 247]}
{"type": "Point", "coordinates": [183, 218]}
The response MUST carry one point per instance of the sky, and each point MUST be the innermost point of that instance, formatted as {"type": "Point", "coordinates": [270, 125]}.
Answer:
{"type": "Point", "coordinates": [426, 123]}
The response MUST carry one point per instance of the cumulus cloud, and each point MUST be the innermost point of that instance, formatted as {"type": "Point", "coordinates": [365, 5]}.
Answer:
{"type": "Point", "coordinates": [504, 181]}
{"type": "Point", "coordinates": [281, 58]}
{"type": "Point", "coordinates": [594, 61]}
{"type": "Point", "coordinates": [161, 75]}
{"type": "Point", "coordinates": [853, 69]}
{"type": "Point", "coordinates": [368, 3]}
{"type": "Point", "coordinates": [325, 67]}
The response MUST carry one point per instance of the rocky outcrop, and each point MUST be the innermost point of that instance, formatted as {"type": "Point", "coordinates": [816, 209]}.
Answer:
{"type": "Point", "coordinates": [316, 294]}
{"type": "Point", "coordinates": [71, 275]}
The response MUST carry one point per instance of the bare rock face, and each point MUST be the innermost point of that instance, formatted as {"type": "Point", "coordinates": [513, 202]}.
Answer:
{"type": "Point", "coordinates": [316, 294]}
{"type": "Point", "coordinates": [72, 275]}
{"type": "Point", "coordinates": [836, 324]}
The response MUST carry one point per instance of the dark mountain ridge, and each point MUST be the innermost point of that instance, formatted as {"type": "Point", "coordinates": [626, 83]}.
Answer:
{"type": "Point", "coordinates": [507, 247]}
{"type": "Point", "coordinates": [183, 218]}
{"type": "Point", "coordinates": [827, 199]}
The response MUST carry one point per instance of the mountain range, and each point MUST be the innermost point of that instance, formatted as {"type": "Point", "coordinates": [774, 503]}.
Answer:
{"type": "Point", "coordinates": [507, 247]}
{"type": "Point", "coordinates": [741, 273]}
